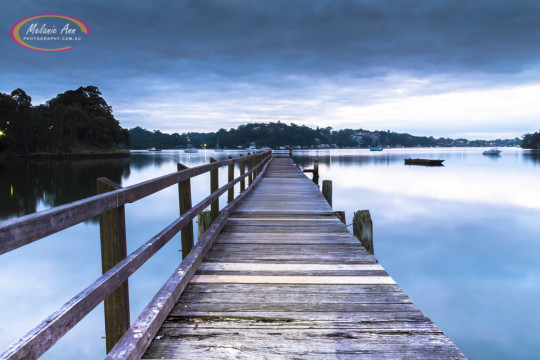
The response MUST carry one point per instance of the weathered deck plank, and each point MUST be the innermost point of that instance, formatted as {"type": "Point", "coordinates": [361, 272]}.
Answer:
{"type": "Point", "coordinates": [285, 279]}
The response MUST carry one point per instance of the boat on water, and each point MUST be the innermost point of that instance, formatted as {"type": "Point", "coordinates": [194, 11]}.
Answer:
{"type": "Point", "coordinates": [154, 149]}
{"type": "Point", "coordinates": [190, 150]}
{"type": "Point", "coordinates": [492, 152]}
{"type": "Point", "coordinates": [376, 149]}
{"type": "Point", "coordinates": [424, 162]}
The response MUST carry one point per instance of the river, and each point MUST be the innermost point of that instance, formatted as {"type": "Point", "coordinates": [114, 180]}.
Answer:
{"type": "Point", "coordinates": [462, 240]}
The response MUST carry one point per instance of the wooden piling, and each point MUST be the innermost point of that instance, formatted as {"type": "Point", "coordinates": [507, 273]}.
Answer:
{"type": "Point", "coordinates": [112, 229]}
{"type": "Point", "coordinates": [341, 216]}
{"type": "Point", "coordinates": [242, 171]}
{"type": "Point", "coordinates": [184, 194]}
{"type": "Point", "coordinates": [204, 221]}
{"type": "Point", "coordinates": [290, 153]}
{"type": "Point", "coordinates": [250, 166]}
{"type": "Point", "coordinates": [363, 229]}
{"type": "Point", "coordinates": [214, 185]}
{"type": "Point", "coordinates": [230, 195]}
{"type": "Point", "coordinates": [327, 190]}
{"type": "Point", "coordinates": [316, 171]}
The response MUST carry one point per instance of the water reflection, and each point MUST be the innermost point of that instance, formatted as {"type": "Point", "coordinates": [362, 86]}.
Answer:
{"type": "Point", "coordinates": [29, 186]}
{"type": "Point", "coordinates": [461, 240]}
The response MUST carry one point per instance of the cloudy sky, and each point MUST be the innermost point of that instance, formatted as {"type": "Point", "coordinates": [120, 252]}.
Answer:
{"type": "Point", "coordinates": [455, 68]}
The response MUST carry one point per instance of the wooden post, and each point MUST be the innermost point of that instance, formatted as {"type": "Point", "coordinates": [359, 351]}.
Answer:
{"type": "Point", "coordinates": [184, 194]}
{"type": "Point", "coordinates": [341, 216]}
{"type": "Point", "coordinates": [250, 166]}
{"type": "Point", "coordinates": [230, 197]}
{"type": "Point", "coordinates": [205, 220]}
{"type": "Point", "coordinates": [363, 229]}
{"type": "Point", "coordinates": [112, 229]}
{"type": "Point", "coordinates": [290, 153]}
{"type": "Point", "coordinates": [214, 185]}
{"type": "Point", "coordinates": [242, 171]}
{"type": "Point", "coordinates": [327, 191]}
{"type": "Point", "coordinates": [316, 171]}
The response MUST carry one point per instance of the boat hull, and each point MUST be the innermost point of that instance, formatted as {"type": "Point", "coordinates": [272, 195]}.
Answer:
{"type": "Point", "coordinates": [424, 162]}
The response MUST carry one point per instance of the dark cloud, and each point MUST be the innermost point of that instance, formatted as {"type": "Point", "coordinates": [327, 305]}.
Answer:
{"type": "Point", "coordinates": [238, 38]}
{"type": "Point", "coordinates": [205, 45]}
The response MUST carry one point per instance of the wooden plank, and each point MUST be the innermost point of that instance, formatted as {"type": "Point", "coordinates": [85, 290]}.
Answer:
{"type": "Point", "coordinates": [246, 279]}
{"type": "Point", "coordinates": [286, 267]}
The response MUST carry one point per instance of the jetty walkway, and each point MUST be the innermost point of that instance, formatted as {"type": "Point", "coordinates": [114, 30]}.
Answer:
{"type": "Point", "coordinates": [286, 279]}
{"type": "Point", "coordinates": [275, 276]}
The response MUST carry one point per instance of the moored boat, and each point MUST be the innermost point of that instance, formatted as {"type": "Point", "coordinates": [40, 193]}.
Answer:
{"type": "Point", "coordinates": [424, 162]}
{"type": "Point", "coordinates": [154, 149]}
{"type": "Point", "coordinates": [190, 149]}
{"type": "Point", "coordinates": [375, 149]}
{"type": "Point", "coordinates": [492, 152]}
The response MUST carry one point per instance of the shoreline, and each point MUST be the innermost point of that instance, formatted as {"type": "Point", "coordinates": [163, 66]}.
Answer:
{"type": "Point", "coordinates": [47, 156]}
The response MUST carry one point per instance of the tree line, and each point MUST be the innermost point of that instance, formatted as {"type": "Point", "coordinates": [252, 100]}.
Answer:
{"type": "Point", "coordinates": [73, 121]}
{"type": "Point", "coordinates": [277, 134]}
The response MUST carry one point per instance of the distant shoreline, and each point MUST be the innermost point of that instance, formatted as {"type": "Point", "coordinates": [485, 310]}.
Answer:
{"type": "Point", "coordinates": [68, 156]}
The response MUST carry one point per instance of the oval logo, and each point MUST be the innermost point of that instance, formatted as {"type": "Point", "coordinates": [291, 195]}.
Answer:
{"type": "Point", "coordinates": [48, 33]}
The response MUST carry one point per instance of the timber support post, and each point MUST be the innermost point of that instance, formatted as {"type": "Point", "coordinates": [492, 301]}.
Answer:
{"type": "Point", "coordinates": [230, 195]}
{"type": "Point", "coordinates": [214, 185]}
{"type": "Point", "coordinates": [242, 172]}
{"type": "Point", "coordinates": [184, 194]}
{"type": "Point", "coordinates": [327, 191]}
{"type": "Point", "coordinates": [204, 221]}
{"type": "Point", "coordinates": [290, 153]}
{"type": "Point", "coordinates": [363, 229]}
{"type": "Point", "coordinates": [112, 229]}
{"type": "Point", "coordinates": [341, 216]}
{"type": "Point", "coordinates": [250, 166]}
{"type": "Point", "coordinates": [316, 171]}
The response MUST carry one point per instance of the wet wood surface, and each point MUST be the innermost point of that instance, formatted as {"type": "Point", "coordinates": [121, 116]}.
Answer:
{"type": "Point", "coordinates": [286, 280]}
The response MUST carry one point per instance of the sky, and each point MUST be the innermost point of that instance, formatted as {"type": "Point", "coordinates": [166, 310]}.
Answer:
{"type": "Point", "coordinates": [452, 68]}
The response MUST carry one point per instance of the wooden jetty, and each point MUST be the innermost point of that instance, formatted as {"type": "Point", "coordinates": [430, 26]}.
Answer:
{"type": "Point", "coordinates": [276, 276]}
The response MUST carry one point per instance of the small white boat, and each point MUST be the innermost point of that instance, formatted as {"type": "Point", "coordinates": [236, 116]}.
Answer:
{"type": "Point", "coordinates": [190, 150]}
{"type": "Point", "coordinates": [154, 149]}
{"type": "Point", "coordinates": [492, 152]}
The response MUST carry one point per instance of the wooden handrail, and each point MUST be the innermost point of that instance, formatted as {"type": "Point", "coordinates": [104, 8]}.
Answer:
{"type": "Point", "coordinates": [47, 333]}
{"type": "Point", "coordinates": [139, 336]}
{"type": "Point", "coordinates": [24, 230]}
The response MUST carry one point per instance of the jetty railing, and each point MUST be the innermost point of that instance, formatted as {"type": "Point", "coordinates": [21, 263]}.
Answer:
{"type": "Point", "coordinates": [109, 205]}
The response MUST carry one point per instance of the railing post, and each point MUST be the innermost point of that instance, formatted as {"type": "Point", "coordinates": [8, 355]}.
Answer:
{"type": "Point", "coordinates": [184, 194]}
{"type": "Point", "coordinates": [112, 229]}
{"type": "Point", "coordinates": [341, 216]}
{"type": "Point", "coordinates": [250, 166]}
{"type": "Point", "coordinates": [204, 220]}
{"type": "Point", "coordinates": [363, 229]}
{"type": "Point", "coordinates": [242, 171]}
{"type": "Point", "coordinates": [214, 185]}
{"type": "Point", "coordinates": [230, 197]}
{"type": "Point", "coordinates": [327, 191]}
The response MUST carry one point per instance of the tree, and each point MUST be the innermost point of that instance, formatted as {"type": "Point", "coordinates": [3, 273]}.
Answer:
{"type": "Point", "coordinates": [531, 141]}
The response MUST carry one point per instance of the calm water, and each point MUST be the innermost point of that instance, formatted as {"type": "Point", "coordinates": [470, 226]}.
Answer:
{"type": "Point", "coordinates": [462, 240]}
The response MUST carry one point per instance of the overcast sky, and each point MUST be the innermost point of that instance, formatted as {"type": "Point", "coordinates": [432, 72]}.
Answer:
{"type": "Point", "coordinates": [457, 68]}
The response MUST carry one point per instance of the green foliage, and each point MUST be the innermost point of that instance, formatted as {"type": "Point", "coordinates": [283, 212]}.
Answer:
{"type": "Point", "coordinates": [73, 120]}
{"type": "Point", "coordinates": [531, 141]}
